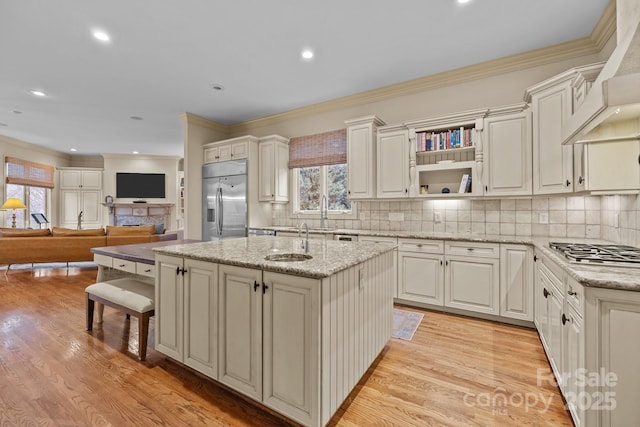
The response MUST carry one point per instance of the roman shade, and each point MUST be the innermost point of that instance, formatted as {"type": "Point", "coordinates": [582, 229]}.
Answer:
{"type": "Point", "coordinates": [329, 148]}
{"type": "Point", "coordinates": [25, 172]}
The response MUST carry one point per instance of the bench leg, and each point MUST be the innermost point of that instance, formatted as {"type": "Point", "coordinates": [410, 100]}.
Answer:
{"type": "Point", "coordinates": [143, 332]}
{"type": "Point", "coordinates": [90, 306]}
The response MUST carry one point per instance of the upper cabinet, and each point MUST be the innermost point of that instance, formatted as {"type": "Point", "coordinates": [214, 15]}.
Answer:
{"type": "Point", "coordinates": [232, 149]}
{"type": "Point", "coordinates": [80, 198]}
{"type": "Point", "coordinates": [273, 154]}
{"type": "Point", "coordinates": [507, 152]}
{"type": "Point", "coordinates": [361, 156]}
{"type": "Point", "coordinates": [393, 162]}
{"type": "Point", "coordinates": [551, 105]}
{"type": "Point", "coordinates": [74, 179]}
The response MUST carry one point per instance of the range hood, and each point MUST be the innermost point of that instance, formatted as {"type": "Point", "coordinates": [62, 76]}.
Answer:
{"type": "Point", "coordinates": [615, 94]}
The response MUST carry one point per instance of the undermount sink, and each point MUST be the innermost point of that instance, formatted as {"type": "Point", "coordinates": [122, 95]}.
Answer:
{"type": "Point", "coordinates": [285, 257]}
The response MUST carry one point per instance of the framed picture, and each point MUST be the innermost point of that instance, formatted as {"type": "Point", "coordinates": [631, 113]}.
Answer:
{"type": "Point", "coordinates": [39, 218]}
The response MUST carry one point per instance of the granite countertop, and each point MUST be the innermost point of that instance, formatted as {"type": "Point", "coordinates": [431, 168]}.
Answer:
{"type": "Point", "coordinates": [624, 278]}
{"type": "Point", "coordinates": [137, 252]}
{"type": "Point", "coordinates": [329, 256]}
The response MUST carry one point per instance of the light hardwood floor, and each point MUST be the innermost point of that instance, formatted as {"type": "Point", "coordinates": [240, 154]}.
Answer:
{"type": "Point", "coordinates": [456, 371]}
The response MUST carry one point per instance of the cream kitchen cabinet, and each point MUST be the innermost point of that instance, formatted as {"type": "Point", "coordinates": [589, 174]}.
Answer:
{"type": "Point", "coordinates": [472, 277]}
{"type": "Point", "coordinates": [361, 156]}
{"type": "Point", "coordinates": [269, 339]}
{"type": "Point", "coordinates": [273, 157]}
{"type": "Point", "coordinates": [516, 282]}
{"type": "Point", "coordinates": [186, 298]}
{"type": "Point", "coordinates": [395, 269]}
{"type": "Point", "coordinates": [611, 166]}
{"type": "Point", "coordinates": [573, 349]}
{"type": "Point", "coordinates": [80, 197]}
{"type": "Point", "coordinates": [421, 271]}
{"type": "Point", "coordinates": [507, 154]}
{"type": "Point", "coordinates": [392, 162]}
{"type": "Point", "coordinates": [551, 105]}
{"type": "Point", "coordinates": [231, 149]}
{"type": "Point", "coordinates": [240, 326]}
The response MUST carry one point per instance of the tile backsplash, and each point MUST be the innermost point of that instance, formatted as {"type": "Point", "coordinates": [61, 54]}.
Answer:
{"type": "Point", "coordinates": [571, 216]}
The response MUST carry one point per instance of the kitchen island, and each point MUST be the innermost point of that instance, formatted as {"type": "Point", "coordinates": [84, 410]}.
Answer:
{"type": "Point", "coordinates": [294, 336]}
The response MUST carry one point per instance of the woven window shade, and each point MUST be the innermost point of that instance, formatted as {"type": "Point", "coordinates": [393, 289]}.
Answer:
{"type": "Point", "coordinates": [329, 148]}
{"type": "Point", "coordinates": [24, 172]}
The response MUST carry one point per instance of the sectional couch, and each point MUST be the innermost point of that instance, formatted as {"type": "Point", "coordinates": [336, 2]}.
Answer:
{"type": "Point", "coordinates": [24, 246]}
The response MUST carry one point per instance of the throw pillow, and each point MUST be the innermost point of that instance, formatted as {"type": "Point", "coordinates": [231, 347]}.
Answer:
{"type": "Point", "coordinates": [136, 230]}
{"type": "Point", "coordinates": [23, 232]}
{"type": "Point", "coordinates": [68, 232]}
{"type": "Point", "coordinates": [160, 228]}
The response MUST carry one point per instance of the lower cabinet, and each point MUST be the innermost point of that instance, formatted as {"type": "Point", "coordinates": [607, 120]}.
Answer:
{"type": "Point", "coordinates": [516, 282]}
{"type": "Point", "coordinates": [187, 296]}
{"type": "Point", "coordinates": [472, 277]}
{"type": "Point", "coordinates": [572, 362]}
{"type": "Point", "coordinates": [421, 271]}
{"type": "Point", "coordinates": [549, 302]}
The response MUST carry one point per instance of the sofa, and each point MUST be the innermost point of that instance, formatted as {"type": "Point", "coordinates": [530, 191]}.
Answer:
{"type": "Point", "coordinates": [25, 246]}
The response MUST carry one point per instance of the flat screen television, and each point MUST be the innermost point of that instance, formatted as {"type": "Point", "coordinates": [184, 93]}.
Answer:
{"type": "Point", "coordinates": [140, 185]}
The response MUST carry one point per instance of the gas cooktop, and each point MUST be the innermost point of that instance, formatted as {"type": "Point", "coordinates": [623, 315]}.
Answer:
{"type": "Point", "coordinates": [605, 254]}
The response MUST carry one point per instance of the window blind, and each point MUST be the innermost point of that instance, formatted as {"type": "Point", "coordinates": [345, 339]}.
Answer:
{"type": "Point", "coordinates": [329, 148]}
{"type": "Point", "coordinates": [25, 172]}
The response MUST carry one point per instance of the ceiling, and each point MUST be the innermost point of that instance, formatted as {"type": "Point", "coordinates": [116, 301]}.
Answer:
{"type": "Point", "coordinates": [163, 58]}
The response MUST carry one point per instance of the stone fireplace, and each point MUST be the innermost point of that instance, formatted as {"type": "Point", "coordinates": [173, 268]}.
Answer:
{"type": "Point", "coordinates": [140, 214]}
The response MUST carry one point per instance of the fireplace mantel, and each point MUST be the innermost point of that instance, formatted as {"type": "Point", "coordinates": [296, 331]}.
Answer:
{"type": "Point", "coordinates": [140, 213]}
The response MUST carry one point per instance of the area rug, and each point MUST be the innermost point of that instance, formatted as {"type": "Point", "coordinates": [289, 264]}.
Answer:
{"type": "Point", "coordinates": [405, 323]}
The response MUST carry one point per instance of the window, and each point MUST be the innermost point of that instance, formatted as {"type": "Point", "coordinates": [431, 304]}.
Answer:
{"type": "Point", "coordinates": [316, 181]}
{"type": "Point", "coordinates": [34, 198]}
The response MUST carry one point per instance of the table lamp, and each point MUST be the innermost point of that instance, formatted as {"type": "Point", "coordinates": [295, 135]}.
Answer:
{"type": "Point", "coordinates": [13, 204]}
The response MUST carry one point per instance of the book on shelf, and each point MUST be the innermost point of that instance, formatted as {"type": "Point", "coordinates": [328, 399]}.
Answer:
{"type": "Point", "coordinates": [465, 184]}
{"type": "Point", "coordinates": [445, 140]}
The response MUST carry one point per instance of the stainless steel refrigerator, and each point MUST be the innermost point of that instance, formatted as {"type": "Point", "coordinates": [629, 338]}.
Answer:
{"type": "Point", "coordinates": [224, 200]}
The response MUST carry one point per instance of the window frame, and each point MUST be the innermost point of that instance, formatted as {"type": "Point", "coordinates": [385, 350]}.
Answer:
{"type": "Point", "coordinates": [26, 198]}
{"type": "Point", "coordinates": [295, 198]}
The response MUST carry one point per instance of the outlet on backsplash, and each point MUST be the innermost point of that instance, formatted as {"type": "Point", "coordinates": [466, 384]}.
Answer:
{"type": "Point", "coordinates": [437, 216]}
{"type": "Point", "coordinates": [396, 216]}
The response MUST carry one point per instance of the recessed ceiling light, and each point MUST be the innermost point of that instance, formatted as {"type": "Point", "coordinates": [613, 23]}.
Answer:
{"type": "Point", "coordinates": [17, 112]}
{"type": "Point", "coordinates": [37, 92]}
{"type": "Point", "coordinates": [307, 54]}
{"type": "Point", "coordinates": [73, 149]}
{"type": "Point", "coordinates": [101, 35]}
{"type": "Point", "coordinates": [136, 118]}
{"type": "Point", "coordinates": [463, 1]}
{"type": "Point", "coordinates": [217, 86]}
{"type": "Point", "coordinates": [135, 152]}
{"type": "Point", "coordinates": [3, 124]}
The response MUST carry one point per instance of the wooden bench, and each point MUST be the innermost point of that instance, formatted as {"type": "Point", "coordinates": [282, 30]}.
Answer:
{"type": "Point", "coordinates": [131, 296]}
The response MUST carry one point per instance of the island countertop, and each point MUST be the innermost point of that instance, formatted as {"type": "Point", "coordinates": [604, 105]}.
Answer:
{"type": "Point", "coordinates": [328, 257]}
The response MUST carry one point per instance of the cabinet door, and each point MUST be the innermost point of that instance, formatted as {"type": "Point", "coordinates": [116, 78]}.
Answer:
{"type": "Point", "coordinates": [552, 161]}
{"type": "Point", "coordinates": [281, 178]}
{"type": "Point", "coordinates": [70, 207]}
{"type": "Point", "coordinates": [240, 330]}
{"type": "Point", "coordinates": [240, 150]}
{"type": "Point", "coordinates": [516, 282]}
{"type": "Point", "coordinates": [291, 346]}
{"type": "Point", "coordinates": [421, 278]}
{"type": "Point", "coordinates": [90, 207]}
{"type": "Point", "coordinates": [266, 156]}
{"type": "Point", "coordinates": [472, 284]}
{"type": "Point", "coordinates": [393, 164]}
{"type": "Point", "coordinates": [573, 359]}
{"type": "Point", "coordinates": [212, 155]}
{"type": "Point", "coordinates": [361, 161]}
{"type": "Point", "coordinates": [507, 155]}
{"type": "Point", "coordinates": [169, 306]}
{"type": "Point", "coordinates": [200, 321]}
{"type": "Point", "coordinates": [541, 315]}
{"type": "Point", "coordinates": [554, 340]}
{"type": "Point", "coordinates": [91, 179]}
{"type": "Point", "coordinates": [70, 179]}
{"type": "Point", "coordinates": [612, 165]}
{"type": "Point", "coordinates": [224, 152]}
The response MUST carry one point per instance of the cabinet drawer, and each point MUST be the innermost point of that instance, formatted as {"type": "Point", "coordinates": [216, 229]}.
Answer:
{"type": "Point", "coordinates": [574, 294]}
{"type": "Point", "coordinates": [421, 245]}
{"type": "Point", "coordinates": [104, 260]}
{"type": "Point", "coordinates": [378, 239]}
{"type": "Point", "coordinates": [473, 249]}
{"type": "Point", "coordinates": [148, 270]}
{"type": "Point", "coordinates": [124, 265]}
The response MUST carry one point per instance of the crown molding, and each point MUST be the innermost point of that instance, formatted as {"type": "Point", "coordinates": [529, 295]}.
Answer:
{"type": "Point", "coordinates": [63, 156]}
{"type": "Point", "coordinates": [190, 118]}
{"type": "Point", "coordinates": [139, 156]}
{"type": "Point", "coordinates": [589, 45]}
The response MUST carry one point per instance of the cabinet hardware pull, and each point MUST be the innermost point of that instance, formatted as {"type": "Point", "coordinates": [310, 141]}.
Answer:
{"type": "Point", "coordinates": [264, 288]}
{"type": "Point", "coordinates": [486, 188]}
{"type": "Point", "coordinates": [545, 292]}
{"type": "Point", "coordinates": [419, 245]}
{"type": "Point", "coordinates": [148, 271]}
{"type": "Point", "coordinates": [568, 183]}
{"type": "Point", "coordinates": [580, 180]}
{"type": "Point", "coordinates": [440, 262]}
{"type": "Point", "coordinates": [565, 319]}
{"type": "Point", "coordinates": [446, 262]}
{"type": "Point", "coordinates": [177, 270]}
{"type": "Point", "coordinates": [121, 265]}
{"type": "Point", "coordinates": [535, 258]}
{"type": "Point", "coordinates": [184, 270]}
{"type": "Point", "coordinates": [572, 293]}
{"type": "Point", "coordinates": [469, 249]}
{"type": "Point", "coordinates": [255, 286]}
{"type": "Point", "coordinates": [406, 190]}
